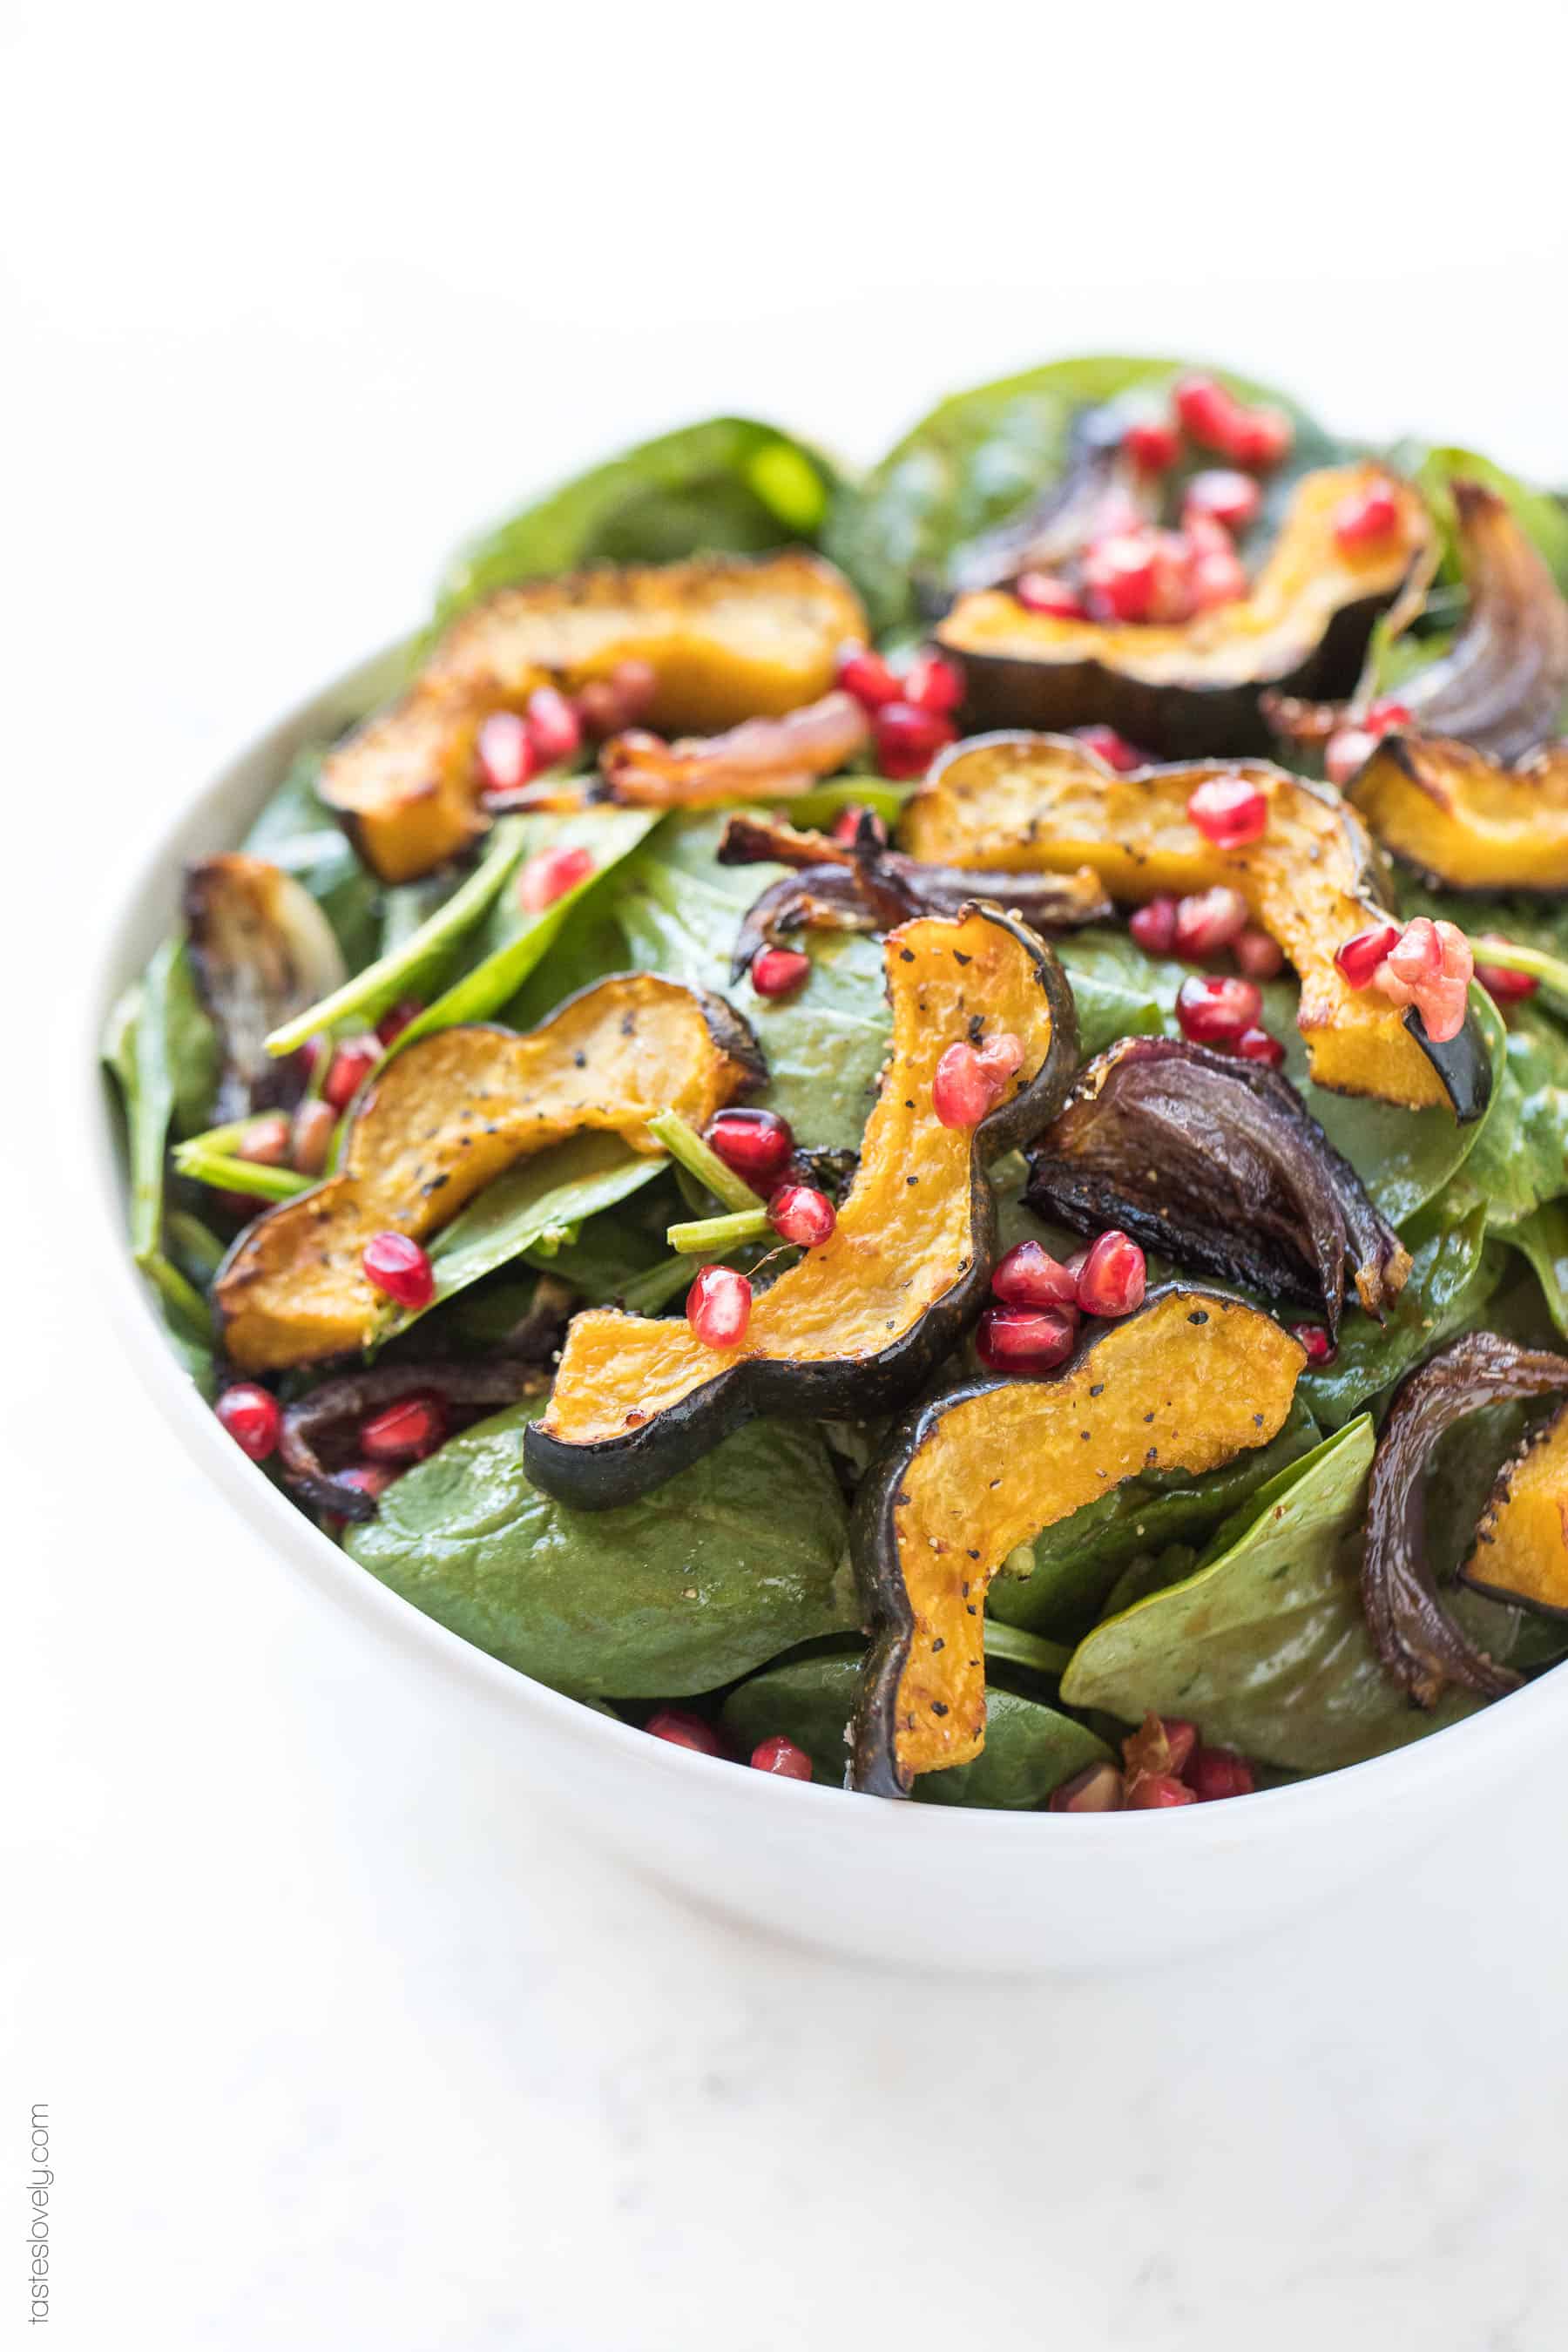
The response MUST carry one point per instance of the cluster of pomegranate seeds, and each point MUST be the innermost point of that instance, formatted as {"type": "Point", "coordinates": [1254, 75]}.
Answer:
{"type": "Point", "coordinates": [1367, 517]}
{"type": "Point", "coordinates": [515, 746]}
{"type": "Point", "coordinates": [1228, 811]}
{"type": "Point", "coordinates": [718, 1306]}
{"type": "Point", "coordinates": [781, 1757]}
{"type": "Point", "coordinates": [350, 1066]}
{"type": "Point", "coordinates": [1213, 417]}
{"type": "Point", "coordinates": [779, 972]}
{"type": "Point", "coordinates": [1035, 1327]}
{"type": "Point", "coordinates": [406, 1432]}
{"type": "Point", "coordinates": [1218, 1008]}
{"type": "Point", "coordinates": [757, 1145]}
{"type": "Point", "coordinates": [396, 1019]}
{"type": "Point", "coordinates": [1321, 1349]}
{"type": "Point", "coordinates": [399, 1269]}
{"type": "Point", "coordinates": [252, 1418]}
{"type": "Point", "coordinates": [1427, 964]}
{"type": "Point", "coordinates": [970, 1080]}
{"type": "Point", "coordinates": [1113, 749]}
{"type": "Point", "coordinates": [910, 713]}
{"type": "Point", "coordinates": [1164, 1763]}
{"type": "Point", "coordinates": [800, 1214]}
{"type": "Point", "coordinates": [684, 1727]}
{"type": "Point", "coordinates": [1358, 958]}
{"type": "Point", "coordinates": [1137, 575]}
{"type": "Point", "coordinates": [1502, 984]}
{"type": "Point", "coordinates": [311, 1137]}
{"type": "Point", "coordinates": [1349, 748]}
{"type": "Point", "coordinates": [550, 876]}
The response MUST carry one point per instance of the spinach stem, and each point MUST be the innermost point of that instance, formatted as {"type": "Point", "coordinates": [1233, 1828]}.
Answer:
{"type": "Point", "coordinates": [1010, 1645]}
{"type": "Point", "coordinates": [234, 1175]}
{"type": "Point", "coordinates": [683, 1143]}
{"type": "Point", "coordinates": [1549, 970]}
{"type": "Point", "coordinates": [718, 1235]}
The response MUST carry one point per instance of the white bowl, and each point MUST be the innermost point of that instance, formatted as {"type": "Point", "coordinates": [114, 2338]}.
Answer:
{"type": "Point", "coordinates": [930, 1885]}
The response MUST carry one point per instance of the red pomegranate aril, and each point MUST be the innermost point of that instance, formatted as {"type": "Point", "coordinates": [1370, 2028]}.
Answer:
{"type": "Point", "coordinates": [999, 1055]}
{"type": "Point", "coordinates": [1366, 517]}
{"type": "Point", "coordinates": [1153, 1791]}
{"type": "Point", "coordinates": [1030, 1276]}
{"type": "Point", "coordinates": [1321, 1349]}
{"type": "Point", "coordinates": [1384, 717]}
{"type": "Point", "coordinates": [1261, 437]}
{"type": "Point", "coordinates": [252, 1418]}
{"type": "Point", "coordinates": [683, 1727]}
{"type": "Point", "coordinates": [394, 1022]}
{"type": "Point", "coordinates": [1346, 753]}
{"type": "Point", "coordinates": [1153, 443]}
{"type": "Point", "coordinates": [350, 1065]}
{"type": "Point", "coordinates": [1113, 749]}
{"type": "Point", "coordinates": [1114, 1275]}
{"type": "Point", "coordinates": [1216, 1772]}
{"type": "Point", "coordinates": [1228, 811]}
{"type": "Point", "coordinates": [1024, 1338]}
{"type": "Point", "coordinates": [550, 876]}
{"type": "Point", "coordinates": [778, 972]}
{"type": "Point", "coordinates": [406, 1432]}
{"type": "Point", "coordinates": [1181, 1742]}
{"type": "Point", "coordinates": [780, 1756]}
{"type": "Point", "coordinates": [399, 1268]}
{"type": "Point", "coordinates": [718, 1306]}
{"type": "Point", "coordinates": [555, 728]}
{"type": "Point", "coordinates": [1259, 1045]}
{"type": "Point", "coordinates": [1043, 592]}
{"type": "Point", "coordinates": [1137, 575]}
{"type": "Point", "coordinates": [849, 824]}
{"type": "Point", "coordinates": [1207, 921]}
{"type": "Point", "coordinates": [1218, 579]}
{"type": "Point", "coordinates": [606, 705]}
{"type": "Point", "coordinates": [1216, 1008]}
{"type": "Point", "coordinates": [1222, 495]}
{"type": "Point", "coordinates": [1502, 984]}
{"type": "Point", "coordinates": [863, 673]}
{"type": "Point", "coordinates": [800, 1214]}
{"type": "Point", "coordinates": [932, 683]}
{"type": "Point", "coordinates": [310, 1136]}
{"type": "Point", "coordinates": [1154, 926]}
{"type": "Point", "coordinates": [756, 1144]}
{"type": "Point", "coordinates": [1260, 956]}
{"type": "Point", "coordinates": [1207, 412]}
{"type": "Point", "coordinates": [508, 760]}
{"type": "Point", "coordinates": [908, 739]}
{"type": "Point", "coordinates": [969, 1079]}
{"type": "Point", "coordinates": [265, 1140]}
{"type": "Point", "coordinates": [372, 1478]}
{"type": "Point", "coordinates": [1359, 957]}
{"type": "Point", "coordinates": [1096, 1790]}
{"type": "Point", "coordinates": [1416, 956]}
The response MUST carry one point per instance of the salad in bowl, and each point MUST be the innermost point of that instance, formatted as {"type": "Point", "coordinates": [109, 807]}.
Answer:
{"type": "Point", "coordinates": [911, 1129]}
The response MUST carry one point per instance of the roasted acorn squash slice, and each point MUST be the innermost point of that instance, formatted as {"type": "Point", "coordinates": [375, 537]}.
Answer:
{"type": "Point", "coordinates": [1312, 881]}
{"type": "Point", "coordinates": [1187, 1382]}
{"type": "Point", "coordinates": [1521, 1541]}
{"type": "Point", "coordinates": [1193, 687]}
{"type": "Point", "coordinates": [727, 637]}
{"type": "Point", "coordinates": [1467, 822]}
{"type": "Point", "coordinates": [445, 1117]}
{"type": "Point", "coordinates": [856, 1325]}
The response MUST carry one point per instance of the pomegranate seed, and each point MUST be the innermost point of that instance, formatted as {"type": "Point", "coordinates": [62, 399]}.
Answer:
{"type": "Point", "coordinates": [1181, 1742]}
{"type": "Point", "coordinates": [400, 1268]}
{"type": "Point", "coordinates": [780, 1756]}
{"type": "Point", "coordinates": [1503, 985]}
{"type": "Point", "coordinates": [1161, 1744]}
{"type": "Point", "coordinates": [1443, 1006]}
{"type": "Point", "coordinates": [350, 1065]}
{"type": "Point", "coordinates": [1206, 411]}
{"type": "Point", "coordinates": [1153, 443]}
{"type": "Point", "coordinates": [555, 728]}
{"type": "Point", "coordinates": [969, 1079]}
{"type": "Point", "coordinates": [392, 1023]}
{"type": "Point", "coordinates": [606, 705]}
{"type": "Point", "coordinates": [908, 739]}
{"type": "Point", "coordinates": [1214, 1009]}
{"type": "Point", "coordinates": [1382, 717]}
{"type": "Point", "coordinates": [757, 1144]}
{"type": "Point", "coordinates": [1222, 497]}
{"type": "Point", "coordinates": [311, 1137]}
{"type": "Point", "coordinates": [1137, 575]}
{"type": "Point", "coordinates": [251, 1416]}
{"type": "Point", "coordinates": [1228, 811]}
{"type": "Point", "coordinates": [1208, 922]}
{"type": "Point", "coordinates": [851, 820]}
{"type": "Point", "coordinates": [1321, 1349]}
{"type": "Point", "coordinates": [1113, 749]}
{"type": "Point", "coordinates": [1263, 438]}
{"type": "Point", "coordinates": [1114, 1275]}
{"type": "Point", "coordinates": [372, 1478]}
{"type": "Point", "coordinates": [265, 1140]}
{"type": "Point", "coordinates": [776, 971]}
{"type": "Point", "coordinates": [1358, 958]}
{"type": "Point", "coordinates": [719, 1305]}
{"type": "Point", "coordinates": [1074, 1265]}
{"type": "Point", "coordinates": [508, 760]}
{"type": "Point", "coordinates": [1346, 753]}
{"type": "Point", "coordinates": [550, 876]}
{"type": "Point", "coordinates": [1259, 955]}
{"type": "Point", "coordinates": [1154, 926]}
{"type": "Point", "coordinates": [683, 1727]}
{"type": "Point", "coordinates": [1258, 1046]}
{"type": "Point", "coordinates": [1217, 1772]}
{"type": "Point", "coordinates": [1042, 592]}
{"type": "Point", "coordinates": [1024, 1338]}
{"type": "Point", "coordinates": [1417, 954]}
{"type": "Point", "coordinates": [1000, 1054]}
{"type": "Point", "coordinates": [1096, 1790]}
{"type": "Point", "coordinates": [1367, 516]}
{"type": "Point", "coordinates": [1030, 1276]}
{"type": "Point", "coordinates": [798, 1212]}
{"type": "Point", "coordinates": [1216, 579]}
{"type": "Point", "coordinates": [406, 1432]}
{"type": "Point", "coordinates": [932, 683]}
{"type": "Point", "coordinates": [863, 673]}
{"type": "Point", "coordinates": [1157, 1790]}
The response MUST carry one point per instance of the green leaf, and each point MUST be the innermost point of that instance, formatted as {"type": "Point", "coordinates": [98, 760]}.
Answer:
{"type": "Point", "coordinates": [1453, 1275]}
{"type": "Point", "coordinates": [732, 1560]}
{"type": "Point", "coordinates": [1544, 1238]}
{"type": "Point", "coordinates": [1542, 515]}
{"type": "Point", "coordinates": [297, 833]}
{"type": "Point", "coordinates": [1520, 1157]}
{"type": "Point", "coordinates": [1030, 1748]}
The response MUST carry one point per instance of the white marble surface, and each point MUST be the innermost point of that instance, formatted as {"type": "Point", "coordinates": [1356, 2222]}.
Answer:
{"type": "Point", "coordinates": [342, 2052]}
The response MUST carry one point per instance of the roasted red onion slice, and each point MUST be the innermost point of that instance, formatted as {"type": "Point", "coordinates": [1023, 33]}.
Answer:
{"type": "Point", "coordinates": [324, 1428]}
{"type": "Point", "coordinates": [761, 758]}
{"type": "Point", "coordinates": [262, 951]}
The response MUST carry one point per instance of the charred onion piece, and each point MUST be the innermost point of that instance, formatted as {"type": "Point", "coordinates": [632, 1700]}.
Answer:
{"type": "Point", "coordinates": [1218, 1164]}
{"type": "Point", "coordinates": [1416, 1639]}
{"type": "Point", "coordinates": [261, 950]}
{"type": "Point", "coordinates": [326, 1422]}
{"type": "Point", "coordinates": [1057, 524]}
{"type": "Point", "coordinates": [760, 759]}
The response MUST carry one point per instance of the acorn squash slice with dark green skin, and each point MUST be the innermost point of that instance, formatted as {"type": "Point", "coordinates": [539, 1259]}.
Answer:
{"type": "Point", "coordinates": [857, 1325]}
{"type": "Point", "coordinates": [448, 1114]}
{"type": "Point", "coordinates": [1520, 1551]}
{"type": "Point", "coordinates": [1192, 688]}
{"type": "Point", "coordinates": [1189, 1380]}
{"type": "Point", "coordinates": [1467, 822]}
{"type": "Point", "coordinates": [727, 637]}
{"type": "Point", "coordinates": [1311, 881]}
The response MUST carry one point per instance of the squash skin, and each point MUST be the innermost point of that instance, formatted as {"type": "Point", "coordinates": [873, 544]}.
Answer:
{"type": "Point", "coordinates": [1191, 689]}
{"type": "Point", "coordinates": [1186, 1347]}
{"type": "Point", "coordinates": [728, 638]}
{"type": "Point", "coordinates": [419, 1146]}
{"type": "Point", "coordinates": [598, 1445]}
{"type": "Point", "coordinates": [1521, 1552]}
{"type": "Point", "coordinates": [1466, 822]}
{"type": "Point", "coordinates": [1314, 880]}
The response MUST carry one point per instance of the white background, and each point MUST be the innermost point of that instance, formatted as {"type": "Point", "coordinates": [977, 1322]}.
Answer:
{"type": "Point", "coordinates": [343, 2055]}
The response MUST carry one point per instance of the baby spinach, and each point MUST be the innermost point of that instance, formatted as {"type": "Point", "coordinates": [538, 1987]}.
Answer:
{"type": "Point", "coordinates": [1521, 1159]}
{"type": "Point", "coordinates": [736, 1558]}
{"type": "Point", "coordinates": [1435, 470]}
{"type": "Point", "coordinates": [1543, 1239]}
{"type": "Point", "coordinates": [294, 831]}
{"type": "Point", "coordinates": [1453, 1273]}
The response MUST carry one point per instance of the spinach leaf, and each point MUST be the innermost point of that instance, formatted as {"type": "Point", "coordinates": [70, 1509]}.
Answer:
{"type": "Point", "coordinates": [296, 832]}
{"type": "Point", "coordinates": [735, 1558]}
{"type": "Point", "coordinates": [1434, 470]}
{"type": "Point", "coordinates": [1520, 1157]}
{"type": "Point", "coordinates": [1544, 1238]}
{"type": "Point", "coordinates": [1453, 1275]}
{"type": "Point", "coordinates": [1030, 1748]}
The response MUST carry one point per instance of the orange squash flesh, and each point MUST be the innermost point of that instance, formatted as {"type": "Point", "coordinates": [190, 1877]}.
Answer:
{"type": "Point", "coordinates": [1466, 820]}
{"type": "Point", "coordinates": [1311, 881]}
{"type": "Point", "coordinates": [446, 1116]}
{"type": "Point", "coordinates": [1187, 1382]}
{"type": "Point", "coordinates": [1521, 1542]}
{"type": "Point", "coordinates": [728, 638]}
